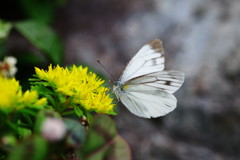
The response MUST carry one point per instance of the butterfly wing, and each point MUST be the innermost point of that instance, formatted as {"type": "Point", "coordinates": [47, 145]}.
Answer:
{"type": "Point", "coordinates": [150, 103]}
{"type": "Point", "coordinates": [168, 81]}
{"type": "Point", "coordinates": [151, 95]}
{"type": "Point", "coordinates": [149, 59]}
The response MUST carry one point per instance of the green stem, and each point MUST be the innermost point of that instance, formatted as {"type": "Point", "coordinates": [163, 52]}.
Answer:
{"type": "Point", "coordinates": [67, 113]}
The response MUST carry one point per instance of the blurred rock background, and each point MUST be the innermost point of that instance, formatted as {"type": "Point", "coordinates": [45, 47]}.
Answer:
{"type": "Point", "coordinates": [201, 38]}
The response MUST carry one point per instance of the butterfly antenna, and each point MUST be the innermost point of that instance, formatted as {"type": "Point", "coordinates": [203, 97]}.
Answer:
{"type": "Point", "coordinates": [106, 70]}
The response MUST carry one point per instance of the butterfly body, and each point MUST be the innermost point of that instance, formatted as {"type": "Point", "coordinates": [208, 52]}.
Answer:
{"type": "Point", "coordinates": [145, 88]}
{"type": "Point", "coordinates": [117, 89]}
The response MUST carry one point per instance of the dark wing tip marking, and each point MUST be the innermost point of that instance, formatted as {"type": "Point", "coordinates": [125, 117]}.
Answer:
{"type": "Point", "coordinates": [168, 83]}
{"type": "Point", "coordinates": [157, 45]}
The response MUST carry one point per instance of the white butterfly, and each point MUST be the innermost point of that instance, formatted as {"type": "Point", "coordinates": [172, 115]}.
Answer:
{"type": "Point", "coordinates": [145, 88]}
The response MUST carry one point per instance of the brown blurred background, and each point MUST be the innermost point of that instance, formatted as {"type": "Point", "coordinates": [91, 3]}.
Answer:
{"type": "Point", "coordinates": [201, 38]}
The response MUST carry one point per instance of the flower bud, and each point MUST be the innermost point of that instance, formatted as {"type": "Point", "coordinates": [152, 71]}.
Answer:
{"type": "Point", "coordinates": [53, 129]}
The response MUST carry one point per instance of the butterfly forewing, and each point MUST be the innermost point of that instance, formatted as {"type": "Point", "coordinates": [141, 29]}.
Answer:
{"type": "Point", "coordinates": [149, 59]}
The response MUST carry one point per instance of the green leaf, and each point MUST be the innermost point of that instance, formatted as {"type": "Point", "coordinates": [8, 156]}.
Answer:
{"type": "Point", "coordinates": [76, 132]}
{"type": "Point", "coordinates": [103, 142]}
{"type": "Point", "coordinates": [78, 111]}
{"type": "Point", "coordinates": [43, 38]}
{"type": "Point", "coordinates": [24, 132]}
{"type": "Point", "coordinates": [120, 149]}
{"type": "Point", "coordinates": [117, 149]}
{"type": "Point", "coordinates": [99, 150]}
{"type": "Point", "coordinates": [61, 97]}
{"type": "Point", "coordinates": [102, 131]}
{"type": "Point", "coordinates": [43, 91]}
{"type": "Point", "coordinates": [31, 149]}
{"type": "Point", "coordinates": [27, 117]}
{"type": "Point", "coordinates": [5, 28]}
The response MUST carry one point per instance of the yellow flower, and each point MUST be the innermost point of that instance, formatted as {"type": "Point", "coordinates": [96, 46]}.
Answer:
{"type": "Point", "coordinates": [41, 102]}
{"type": "Point", "coordinates": [83, 87]}
{"type": "Point", "coordinates": [29, 97]}
{"type": "Point", "coordinates": [12, 97]}
{"type": "Point", "coordinates": [9, 89]}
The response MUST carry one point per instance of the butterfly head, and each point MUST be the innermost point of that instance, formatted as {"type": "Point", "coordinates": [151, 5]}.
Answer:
{"type": "Point", "coordinates": [117, 88]}
{"type": "Point", "coordinates": [117, 85]}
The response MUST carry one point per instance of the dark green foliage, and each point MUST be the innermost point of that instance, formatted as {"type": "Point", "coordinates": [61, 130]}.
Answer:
{"type": "Point", "coordinates": [34, 148]}
{"type": "Point", "coordinates": [5, 28]}
{"type": "Point", "coordinates": [76, 133]}
{"type": "Point", "coordinates": [43, 38]}
{"type": "Point", "coordinates": [103, 142]}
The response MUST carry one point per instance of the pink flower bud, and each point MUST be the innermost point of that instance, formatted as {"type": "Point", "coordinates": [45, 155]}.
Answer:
{"type": "Point", "coordinates": [53, 129]}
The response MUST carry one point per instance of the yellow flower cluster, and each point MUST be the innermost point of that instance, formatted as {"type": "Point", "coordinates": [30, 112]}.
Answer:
{"type": "Point", "coordinates": [83, 87]}
{"type": "Point", "coordinates": [12, 97]}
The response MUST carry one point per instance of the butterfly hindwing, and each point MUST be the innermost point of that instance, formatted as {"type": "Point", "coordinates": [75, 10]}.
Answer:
{"type": "Point", "coordinates": [153, 103]}
{"type": "Point", "coordinates": [168, 81]}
